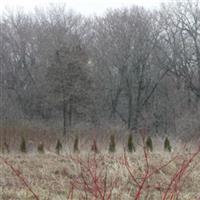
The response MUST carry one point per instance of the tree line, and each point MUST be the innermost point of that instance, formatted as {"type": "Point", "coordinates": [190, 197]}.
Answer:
{"type": "Point", "coordinates": [130, 66]}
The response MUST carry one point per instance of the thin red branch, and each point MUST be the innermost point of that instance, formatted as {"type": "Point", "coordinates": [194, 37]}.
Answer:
{"type": "Point", "coordinates": [21, 178]}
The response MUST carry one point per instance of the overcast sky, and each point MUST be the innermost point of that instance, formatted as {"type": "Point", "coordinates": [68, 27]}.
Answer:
{"type": "Point", "coordinates": [85, 7]}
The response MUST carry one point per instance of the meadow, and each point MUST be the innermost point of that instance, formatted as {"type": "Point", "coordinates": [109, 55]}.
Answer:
{"type": "Point", "coordinates": [80, 171]}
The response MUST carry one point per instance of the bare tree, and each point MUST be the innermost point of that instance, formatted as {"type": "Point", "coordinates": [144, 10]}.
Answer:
{"type": "Point", "coordinates": [124, 42]}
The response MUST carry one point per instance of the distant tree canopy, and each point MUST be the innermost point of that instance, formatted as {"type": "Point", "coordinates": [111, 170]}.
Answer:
{"type": "Point", "coordinates": [130, 66]}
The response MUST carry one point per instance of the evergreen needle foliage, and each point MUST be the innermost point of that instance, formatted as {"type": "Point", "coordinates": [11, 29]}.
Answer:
{"type": "Point", "coordinates": [40, 147]}
{"type": "Point", "coordinates": [112, 145]}
{"type": "Point", "coordinates": [167, 145]}
{"type": "Point", "coordinates": [76, 142]}
{"type": "Point", "coordinates": [149, 144]}
{"type": "Point", "coordinates": [94, 147]}
{"type": "Point", "coordinates": [58, 147]}
{"type": "Point", "coordinates": [23, 145]}
{"type": "Point", "coordinates": [131, 146]}
{"type": "Point", "coordinates": [5, 148]}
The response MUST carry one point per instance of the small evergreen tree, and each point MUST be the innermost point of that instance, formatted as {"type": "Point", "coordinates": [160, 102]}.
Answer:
{"type": "Point", "coordinates": [131, 146]}
{"type": "Point", "coordinates": [94, 147]}
{"type": "Point", "coordinates": [23, 145]}
{"type": "Point", "coordinates": [5, 148]}
{"type": "Point", "coordinates": [167, 145]}
{"type": "Point", "coordinates": [112, 146]}
{"type": "Point", "coordinates": [58, 147]}
{"type": "Point", "coordinates": [76, 142]}
{"type": "Point", "coordinates": [149, 144]}
{"type": "Point", "coordinates": [40, 147]}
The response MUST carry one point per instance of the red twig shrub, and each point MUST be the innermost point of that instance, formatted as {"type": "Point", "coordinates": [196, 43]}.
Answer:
{"type": "Point", "coordinates": [21, 178]}
{"type": "Point", "coordinates": [93, 179]}
{"type": "Point", "coordinates": [172, 190]}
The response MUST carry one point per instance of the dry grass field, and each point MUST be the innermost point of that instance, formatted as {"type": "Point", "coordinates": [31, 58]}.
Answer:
{"type": "Point", "coordinates": [140, 175]}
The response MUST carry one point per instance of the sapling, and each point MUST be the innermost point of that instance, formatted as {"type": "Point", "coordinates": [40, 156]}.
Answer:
{"type": "Point", "coordinates": [5, 148]}
{"type": "Point", "coordinates": [40, 147]}
{"type": "Point", "coordinates": [112, 146]}
{"type": "Point", "coordinates": [58, 147]}
{"type": "Point", "coordinates": [94, 147]}
{"type": "Point", "coordinates": [131, 146]}
{"type": "Point", "coordinates": [23, 148]}
{"type": "Point", "coordinates": [76, 143]}
{"type": "Point", "coordinates": [149, 144]}
{"type": "Point", "coordinates": [167, 145]}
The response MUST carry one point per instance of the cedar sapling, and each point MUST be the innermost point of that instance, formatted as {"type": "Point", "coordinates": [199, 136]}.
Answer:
{"type": "Point", "coordinates": [23, 145]}
{"type": "Point", "coordinates": [149, 144]}
{"type": "Point", "coordinates": [76, 143]}
{"type": "Point", "coordinates": [94, 147]}
{"type": "Point", "coordinates": [40, 147]}
{"type": "Point", "coordinates": [167, 145]}
{"type": "Point", "coordinates": [131, 146]}
{"type": "Point", "coordinates": [112, 145]}
{"type": "Point", "coordinates": [58, 147]}
{"type": "Point", "coordinates": [5, 148]}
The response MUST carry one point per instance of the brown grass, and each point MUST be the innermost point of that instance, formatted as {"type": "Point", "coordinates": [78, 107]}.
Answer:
{"type": "Point", "coordinates": [85, 175]}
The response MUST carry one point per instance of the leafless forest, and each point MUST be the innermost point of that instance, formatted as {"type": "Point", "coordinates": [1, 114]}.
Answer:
{"type": "Point", "coordinates": [132, 66]}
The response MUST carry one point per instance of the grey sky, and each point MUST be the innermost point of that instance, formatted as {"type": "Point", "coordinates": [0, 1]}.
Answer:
{"type": "Point", "coordinates": [85, 7]}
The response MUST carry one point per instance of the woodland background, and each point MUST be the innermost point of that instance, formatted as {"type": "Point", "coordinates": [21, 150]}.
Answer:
{"type": "Point", "coordinates": [132, 67]}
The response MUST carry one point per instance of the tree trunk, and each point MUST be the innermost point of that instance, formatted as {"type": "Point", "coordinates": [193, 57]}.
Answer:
{"type": "Point", "coordinates": [138, 106]}
{"type": "Point", "coordinates": [70, 112]}
{"type": "Point", "coordinates": [64, 117]}
{"type": "Point", "coordinates": [135, 120]}
{"type": "Point", "coordinates": [115, 101]}
{"type": "Point", "coordinates": [130, 111]}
